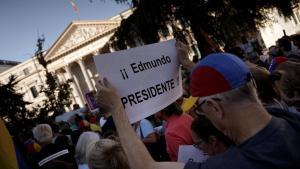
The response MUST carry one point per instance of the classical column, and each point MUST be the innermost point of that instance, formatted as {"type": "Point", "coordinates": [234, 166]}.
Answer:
{"type": "Point", "coordinates": [85, 74]}
{"type": "Point", "coordinates": [59, 76]}
{"type": "Point", "coordinates": [96, 76]}
{"type": "Point", "coordinates": [74, 87]}
{"type": "Point", "coordinates": [28, 92]}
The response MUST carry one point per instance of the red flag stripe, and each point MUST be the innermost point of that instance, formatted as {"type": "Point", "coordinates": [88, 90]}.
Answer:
{"type": "Point", "coordinates": [74, 6]}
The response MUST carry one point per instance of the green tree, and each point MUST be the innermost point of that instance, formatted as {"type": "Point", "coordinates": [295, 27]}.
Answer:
{"type": "Point", "coordinates": [12, 106]}
{"type": "Point", "coordinates": [223, 20]}
{"type": "Point", "coordinates": [57, 93]}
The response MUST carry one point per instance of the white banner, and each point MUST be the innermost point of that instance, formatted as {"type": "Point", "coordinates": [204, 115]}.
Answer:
{"type": "Point", "coordinates": [147, 78]}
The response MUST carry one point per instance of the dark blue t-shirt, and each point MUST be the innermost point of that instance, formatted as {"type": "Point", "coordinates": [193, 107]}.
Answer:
{"type": "Point", "coordinates": [275, 146]}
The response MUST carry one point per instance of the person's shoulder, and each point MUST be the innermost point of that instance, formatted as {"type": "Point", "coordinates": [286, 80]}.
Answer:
{"type": "Point", "coordinates": [147, 126]}
{"type": "Point", "coordinates": [193, 165]}
{"type": "Point", "coordinates": [54, 148]}
{"type": "Point", "coordinates": [290, 117]}
{"type": "Point", "coordinates": [109, 122]}
{"type": "Point", "coordinates": [47, 150]}
{"type": "Point", "coordinates": [187, 116]}
{"type": "Point", "coordinates": [49, 147]}
{"type": "Point", "coordinates": [232, 158]}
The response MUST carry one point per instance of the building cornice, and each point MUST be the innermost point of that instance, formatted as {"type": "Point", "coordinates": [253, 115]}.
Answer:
{"type": "Point", "coordinates": [72, 27]}
{"type": "Point", "coordinates": [56, 57]}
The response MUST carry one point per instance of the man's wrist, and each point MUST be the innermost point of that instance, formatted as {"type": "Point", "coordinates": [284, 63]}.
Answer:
{"type": "Point", "coordinates": [117, 109]}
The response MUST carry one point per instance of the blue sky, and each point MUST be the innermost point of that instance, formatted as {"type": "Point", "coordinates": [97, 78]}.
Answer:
{"type": "Point", "coordinates": [23, 20]}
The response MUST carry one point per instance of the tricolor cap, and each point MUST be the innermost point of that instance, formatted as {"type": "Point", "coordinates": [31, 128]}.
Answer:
{"type": "Point", "coordinates": [218, 73]}
{"type": "Point", "coordinates": [276, 62]}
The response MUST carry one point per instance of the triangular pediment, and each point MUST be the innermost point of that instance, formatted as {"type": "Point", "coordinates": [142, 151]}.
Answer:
{"type": "Point", "coordinates": [78, 33]}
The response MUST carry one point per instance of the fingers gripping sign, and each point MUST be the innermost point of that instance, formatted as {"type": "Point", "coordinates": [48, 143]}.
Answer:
{"type": "Point", "coordinates": [182, 51]}
{"type": "Point", "coordinates": [183, 55]}
{"type": "Point", "coordinates": [181, 47]}
{"type": "Point", "coordinates": [107, 97]}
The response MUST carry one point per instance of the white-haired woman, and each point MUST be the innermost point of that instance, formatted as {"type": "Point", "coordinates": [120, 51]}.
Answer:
{"type": "Point", "coordinates": [85, 139]}
{"type": "Point", "coordinates": [107, 154]}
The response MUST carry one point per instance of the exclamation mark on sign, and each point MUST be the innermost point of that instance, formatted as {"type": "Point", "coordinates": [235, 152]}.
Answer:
{"type": "Point", "coordinates": [178, 80]}
{"type": "Point", "coordinates": [124, 74]}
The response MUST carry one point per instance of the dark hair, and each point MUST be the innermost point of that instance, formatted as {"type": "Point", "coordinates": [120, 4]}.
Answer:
{"type": "Point", "coordinates": [244, 40]}
{"type": "Point", "coordinates": [76, 106]}
{"type": "Point", "coordinates": [238, 52]}
{"type": "Point", "coordinates": [295, 37]}
{"type": "Point", "coordinates": [54, 127]}
{"type": "Point", "coordinates": [173, 108]}
{"type": "Point", "coordinates": [78, 119]}
{"type": "Point", "coordinates": [62, 141]}
{"type": "Point", "coordinates": [285, 44]}
{"type": "Point", "coordinates": [203, 128]}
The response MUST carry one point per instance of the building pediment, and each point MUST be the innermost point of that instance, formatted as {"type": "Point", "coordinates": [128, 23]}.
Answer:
{"type": "Point", "coordinates": [79, 33]}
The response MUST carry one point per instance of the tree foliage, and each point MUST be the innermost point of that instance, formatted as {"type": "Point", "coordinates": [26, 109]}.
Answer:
{"type": "Point", "coordinates": [146, 25]}
{"type": "Point", "coordinates": [12, 105]}
{"type": "Point", "coordinates": [57, 93]}
{"type": "Point", "coordinates": [223, 20]}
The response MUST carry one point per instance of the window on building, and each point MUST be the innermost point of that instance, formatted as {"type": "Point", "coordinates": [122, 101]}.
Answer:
{"type": "Point", "coordinates": [26, 71]}
{"type": "Point", "coordinates": [34, 92]}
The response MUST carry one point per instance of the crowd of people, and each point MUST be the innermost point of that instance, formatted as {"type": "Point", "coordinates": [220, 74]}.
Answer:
{"type": "Point", "coordinates": [247, 116]}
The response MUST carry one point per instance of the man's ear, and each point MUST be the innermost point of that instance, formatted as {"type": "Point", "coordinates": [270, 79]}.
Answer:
{"type": "Point", "coordinates": [215, 107]}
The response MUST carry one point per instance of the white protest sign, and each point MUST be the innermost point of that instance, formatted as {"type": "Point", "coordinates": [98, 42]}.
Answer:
{"type": "Point", "coordinates": [147, 78]}
{"type": "Point", "coordinates": [188, 153]}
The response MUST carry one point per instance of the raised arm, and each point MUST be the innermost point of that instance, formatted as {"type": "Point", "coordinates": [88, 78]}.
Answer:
{"type": "Point", "coordinates": [137, 154]}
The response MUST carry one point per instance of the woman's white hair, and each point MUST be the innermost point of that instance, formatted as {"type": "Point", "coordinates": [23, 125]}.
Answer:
{"type": "Point", "coordinates": [107, 154]}
{"type": "Point", "coordinates": [43, 133]}
{"type": "Point", "coordinates": [85, 139]}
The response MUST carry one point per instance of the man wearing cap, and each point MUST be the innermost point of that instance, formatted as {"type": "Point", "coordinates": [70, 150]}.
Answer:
{"type": "Point", "coordinates": [228, 99]}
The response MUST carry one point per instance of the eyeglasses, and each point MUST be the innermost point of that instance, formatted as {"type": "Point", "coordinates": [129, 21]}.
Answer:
{"type": "Point", "coordinates": [198, 144]}
{"type": "Point", "coordinates": [198, 110]}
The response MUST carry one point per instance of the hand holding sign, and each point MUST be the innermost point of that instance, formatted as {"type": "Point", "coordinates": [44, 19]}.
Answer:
{"type": "Point", "coordinates": [107, 97]}
{"type": "Point", "coordinates": [182, 50]}
{"type": "Point", "coordinates": [182, 54]}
